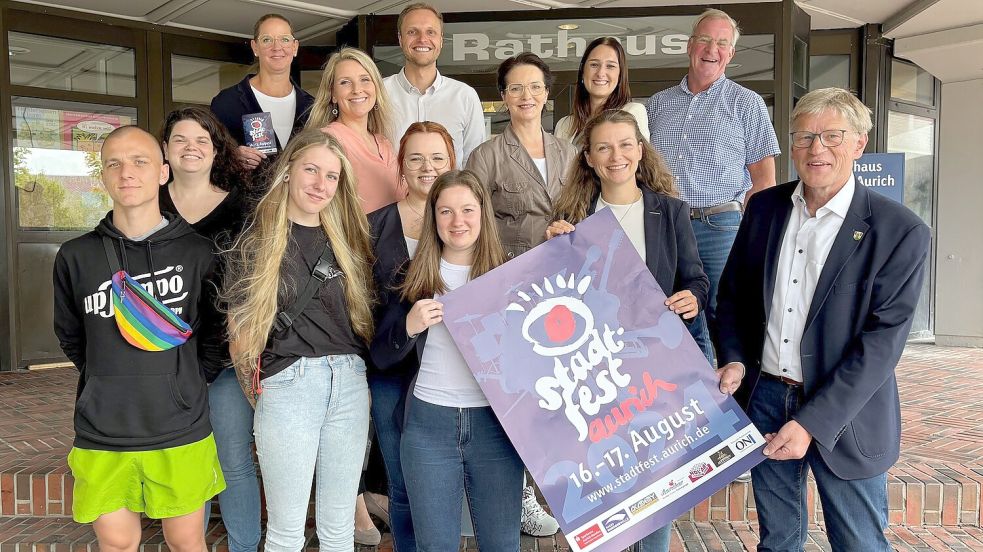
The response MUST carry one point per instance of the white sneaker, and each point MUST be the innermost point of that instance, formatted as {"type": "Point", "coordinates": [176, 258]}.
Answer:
{"type": "Point", "coordinates": [534, 520]}
{"type": "Point", "coordinates": [744, 477]}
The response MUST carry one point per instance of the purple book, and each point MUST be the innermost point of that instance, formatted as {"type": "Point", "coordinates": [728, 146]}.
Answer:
{"type": "Point", "coordinates": [258, 128]}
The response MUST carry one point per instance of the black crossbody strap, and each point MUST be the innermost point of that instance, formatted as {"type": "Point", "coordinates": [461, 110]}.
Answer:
{"type": "Point", "coordinates": [323, 271]}
{"type": "Point", "coordinates": [114, 265]}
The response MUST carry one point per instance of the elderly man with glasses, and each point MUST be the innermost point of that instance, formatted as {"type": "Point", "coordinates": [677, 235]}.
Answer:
{"type": "Point", "coordinates": [717, 138]}
{"type": "Point", "coordinates": [815, 305]}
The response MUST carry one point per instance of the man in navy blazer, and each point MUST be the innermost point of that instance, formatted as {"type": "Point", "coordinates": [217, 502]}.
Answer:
{"type": "Point", "coordinates": [814, 308]}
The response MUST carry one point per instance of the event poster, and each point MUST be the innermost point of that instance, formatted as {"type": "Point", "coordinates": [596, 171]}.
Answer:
{"type": "Point", "coordinates": [606, 397]}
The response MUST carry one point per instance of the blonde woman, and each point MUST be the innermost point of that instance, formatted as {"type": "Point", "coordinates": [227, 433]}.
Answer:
{"type": "Point", "coordinates": [352, 105]}
{"type": "Point", "coordinates": [451, 442]}
{"type": "Point", "coordinates": [312, 410]}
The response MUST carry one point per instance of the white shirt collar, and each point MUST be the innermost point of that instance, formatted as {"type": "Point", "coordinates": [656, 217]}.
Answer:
{"type": "Point", "coordinates": [839, 203]}
{"type": "Point", "coordinates": [408, 86]}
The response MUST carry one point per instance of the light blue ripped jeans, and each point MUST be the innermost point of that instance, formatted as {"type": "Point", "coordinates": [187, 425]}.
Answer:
{"type": "Point", "coordinates": [312, 418]}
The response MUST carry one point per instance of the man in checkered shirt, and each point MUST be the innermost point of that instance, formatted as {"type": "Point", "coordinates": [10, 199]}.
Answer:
{"type": "Point", "coordinates": [719, 143]}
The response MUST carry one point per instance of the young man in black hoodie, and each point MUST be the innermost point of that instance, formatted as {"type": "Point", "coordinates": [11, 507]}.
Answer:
{"type": "Point", "coordinates": [143, 441]}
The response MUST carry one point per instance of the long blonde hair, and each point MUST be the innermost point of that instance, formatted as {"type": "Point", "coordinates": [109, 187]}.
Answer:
{"type": "Point", "coordinates": [253, 280]}
{"type": "Point", "coordinates": [380, 118]}
{"type": "Point", "coordinates": [423, 279]}
{"type": "Point", "coordinates": [583, 183]}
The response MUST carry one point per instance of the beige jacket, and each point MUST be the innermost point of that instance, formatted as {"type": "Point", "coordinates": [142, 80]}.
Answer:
{"type": "Point", "coordinates": [522, 201]}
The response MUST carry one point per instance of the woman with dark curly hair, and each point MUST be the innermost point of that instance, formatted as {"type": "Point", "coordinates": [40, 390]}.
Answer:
{"type": "Point", "coordinates": [208, 191]}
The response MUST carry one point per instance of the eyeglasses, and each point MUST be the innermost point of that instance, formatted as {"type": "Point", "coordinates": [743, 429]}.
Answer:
{"type": "Point", "coordinates": [415, 162]}
{"type": "Point", "coordinates": [535, 89]}
{"type": "Point", "coordinates": [267, 41]}
{"type": "Point", "coordinates": [828, 138]}
{"type": "Point", "coordinates": [705, 40]}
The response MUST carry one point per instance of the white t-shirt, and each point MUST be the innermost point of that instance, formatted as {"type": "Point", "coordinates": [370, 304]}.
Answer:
{"type": "Point", "coordinates": [632, 220]}
{"type": "Point", "coordinates": [411, 245]}
{"type": "Point", "coordinates": [564, 127]}
{"type": "Point", "coordinates": [541, 165]}
{"type": "Point", "coordinates": [444, 377]}
{"type": "Point", "coordinates": [281, 111]}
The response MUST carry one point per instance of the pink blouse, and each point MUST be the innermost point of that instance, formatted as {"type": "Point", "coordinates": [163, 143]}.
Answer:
{"type": "Point", "coordinates": [377, 176]}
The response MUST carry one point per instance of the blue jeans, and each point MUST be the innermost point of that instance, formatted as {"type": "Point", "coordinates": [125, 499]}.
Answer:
{"type": "Point", "coordinates": [387, 390]}
{"type": "Point", "coordinates": [714, 237]}
{"type": "Point", "coordinates": [447, 450]}
{"type": "Point", "coordinates": [232, 425]}
{"type": "Point", "coordinates": [313, 417]}
{"type": "Point", "coordinates": [855, 511]}
{"type": "Point", "coordinates": [656, 542]}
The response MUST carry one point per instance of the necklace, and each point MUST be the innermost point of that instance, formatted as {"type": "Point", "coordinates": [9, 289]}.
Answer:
{"type": "Point", "coordinates": [419, 214]}
{"type": "Point", "coordinates": [628, 210]}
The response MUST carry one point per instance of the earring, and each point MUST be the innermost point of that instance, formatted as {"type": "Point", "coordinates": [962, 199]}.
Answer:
{"type": "Point", "coordinates": [286, 178]}
{"type": "Point", "coordinates": [375, 107]}
{"type": "Point", "coordinates": [334, 110]}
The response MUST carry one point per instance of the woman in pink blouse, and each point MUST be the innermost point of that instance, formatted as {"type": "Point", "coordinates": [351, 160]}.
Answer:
{"type": "Point", "coordinates": [352, 105]}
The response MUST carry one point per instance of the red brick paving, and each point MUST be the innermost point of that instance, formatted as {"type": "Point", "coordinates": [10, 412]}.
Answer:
{"type": "Point", "coordinates": [934, 489]}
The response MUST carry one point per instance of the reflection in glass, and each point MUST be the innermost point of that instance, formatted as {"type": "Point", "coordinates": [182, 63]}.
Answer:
{"type": "Point", "coordinates": [652, 42]}
{"type": "Point", "coordinates": [57, 168]}
{"type": "Point", "coordinates": [915, 137]}
{"type": "Point", "coordinates": [829, 71]}
{"type": "Point", "coordinates": [197, 81]}
{"type": "Point", "coordinates": [62, 64]}
{"type": "Point", "coordinates": [912, 83]}
{"type": "Point", "coordinates": [497, 117]}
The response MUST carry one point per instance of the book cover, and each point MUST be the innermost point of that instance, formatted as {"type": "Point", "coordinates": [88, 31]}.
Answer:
{"type": "Point", "coordinates": [259, 131]}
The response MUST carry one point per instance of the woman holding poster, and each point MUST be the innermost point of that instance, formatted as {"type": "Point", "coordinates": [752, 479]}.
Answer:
{"type": "Point", "coordinates": [425, 152]}
{"type": "Point", "coordinates": [451, 439]}
{"type": "Point", "coordinates": [618, 169]}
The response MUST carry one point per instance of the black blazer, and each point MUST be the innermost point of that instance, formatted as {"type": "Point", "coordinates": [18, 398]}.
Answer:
{"type": "Point", "coordinates": [390, 346]}
{"type": "Point", "coordinates": [670, 245]}
{"type": "Point", "coordinates": [855, 330]}
{"type": "Point", "coordinates": [235, 101]}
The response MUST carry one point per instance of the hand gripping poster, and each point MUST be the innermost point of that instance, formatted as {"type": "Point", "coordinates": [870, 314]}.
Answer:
{"type": "Point", "coordinates": [606, 397]}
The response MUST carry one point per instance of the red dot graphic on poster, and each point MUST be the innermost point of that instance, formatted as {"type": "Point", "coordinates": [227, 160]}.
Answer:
{"type": "Point", "coordinates": [560, 324]}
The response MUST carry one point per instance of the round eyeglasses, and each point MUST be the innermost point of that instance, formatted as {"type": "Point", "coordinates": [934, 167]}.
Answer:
{"type": "Point", "coordinates": [415, 162]}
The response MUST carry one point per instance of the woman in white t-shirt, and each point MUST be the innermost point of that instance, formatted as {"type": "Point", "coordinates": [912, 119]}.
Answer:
{"type": "Point", "coordinates": [602, 84]}
{"type": "Point", "coordinates": [270, 90]}
{"type": "Point", "coordinates": [451, 442]}
{"type": "Point", "coordinates": [617, 169]}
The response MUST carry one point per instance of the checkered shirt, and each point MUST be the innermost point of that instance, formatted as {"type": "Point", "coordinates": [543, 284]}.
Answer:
{"type": "Point", "coordinates": [709, 139]}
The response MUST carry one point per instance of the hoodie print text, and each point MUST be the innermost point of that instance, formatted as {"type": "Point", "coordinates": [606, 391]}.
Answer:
{"type": "Point", "coordinates": [167, 285]}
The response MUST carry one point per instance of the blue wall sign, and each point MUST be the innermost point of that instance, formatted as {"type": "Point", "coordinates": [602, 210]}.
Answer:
{"type": "Point", "coordinates": [883, 173]}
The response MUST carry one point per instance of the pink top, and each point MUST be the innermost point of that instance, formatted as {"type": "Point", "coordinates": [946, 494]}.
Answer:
{"type": "Point", "coordinates": [377, 176]}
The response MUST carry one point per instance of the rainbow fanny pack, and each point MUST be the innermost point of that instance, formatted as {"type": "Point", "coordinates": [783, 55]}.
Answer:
{"type": "Point", "coordinates": [143, 321]}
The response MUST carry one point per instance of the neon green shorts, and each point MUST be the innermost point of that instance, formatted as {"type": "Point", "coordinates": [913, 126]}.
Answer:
{"type": "Point", "coordinates": [163, 483]}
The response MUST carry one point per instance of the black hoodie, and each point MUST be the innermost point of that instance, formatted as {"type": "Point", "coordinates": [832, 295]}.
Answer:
{"type": "Point", "coordinates": [129, 399]}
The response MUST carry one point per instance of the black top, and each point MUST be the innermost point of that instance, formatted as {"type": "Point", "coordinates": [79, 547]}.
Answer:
{"type": "Point", "coordinates": [222, 225]}
{"type": "Point", "coordinates": [130, 399]}
{"type": "Point", "coordinates": [391, 262]}
{"type": "Point", "coordinates": [324, 327]}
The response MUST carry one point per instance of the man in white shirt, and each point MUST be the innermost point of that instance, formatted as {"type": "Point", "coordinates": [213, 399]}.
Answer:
{"type": "Point", "coordinates": [815, 305]}
{"type": "Point", "coordinates": [420, 93]}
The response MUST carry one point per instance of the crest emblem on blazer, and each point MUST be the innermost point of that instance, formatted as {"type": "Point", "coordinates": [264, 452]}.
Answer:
{"type": "Point", "coordinates": [857, 234]}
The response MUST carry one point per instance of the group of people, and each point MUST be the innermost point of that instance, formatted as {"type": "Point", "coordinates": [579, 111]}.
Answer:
{"type": "Point", "coordinates": [234, 297]}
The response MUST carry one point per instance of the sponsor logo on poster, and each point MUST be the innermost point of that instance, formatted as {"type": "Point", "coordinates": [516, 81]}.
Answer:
{"type": "Point", "coordinates": [589, 536]}
{"type": "Point", "coordinates": [672, 487]}
{"type": "Point", "coordinates": [721, 456]}
{"type": "Point", "coordinates": [614, 520]}
{"type": "Point", "coordinates": [745, 441]}
{"type": "Point", "coordinates": [643, 503]}
{"type": "Point", "coordinates": [699, 470]}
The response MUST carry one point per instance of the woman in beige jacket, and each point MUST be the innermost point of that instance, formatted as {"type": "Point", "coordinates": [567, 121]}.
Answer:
{"type": "Point", "coordinates": [523, 168]}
